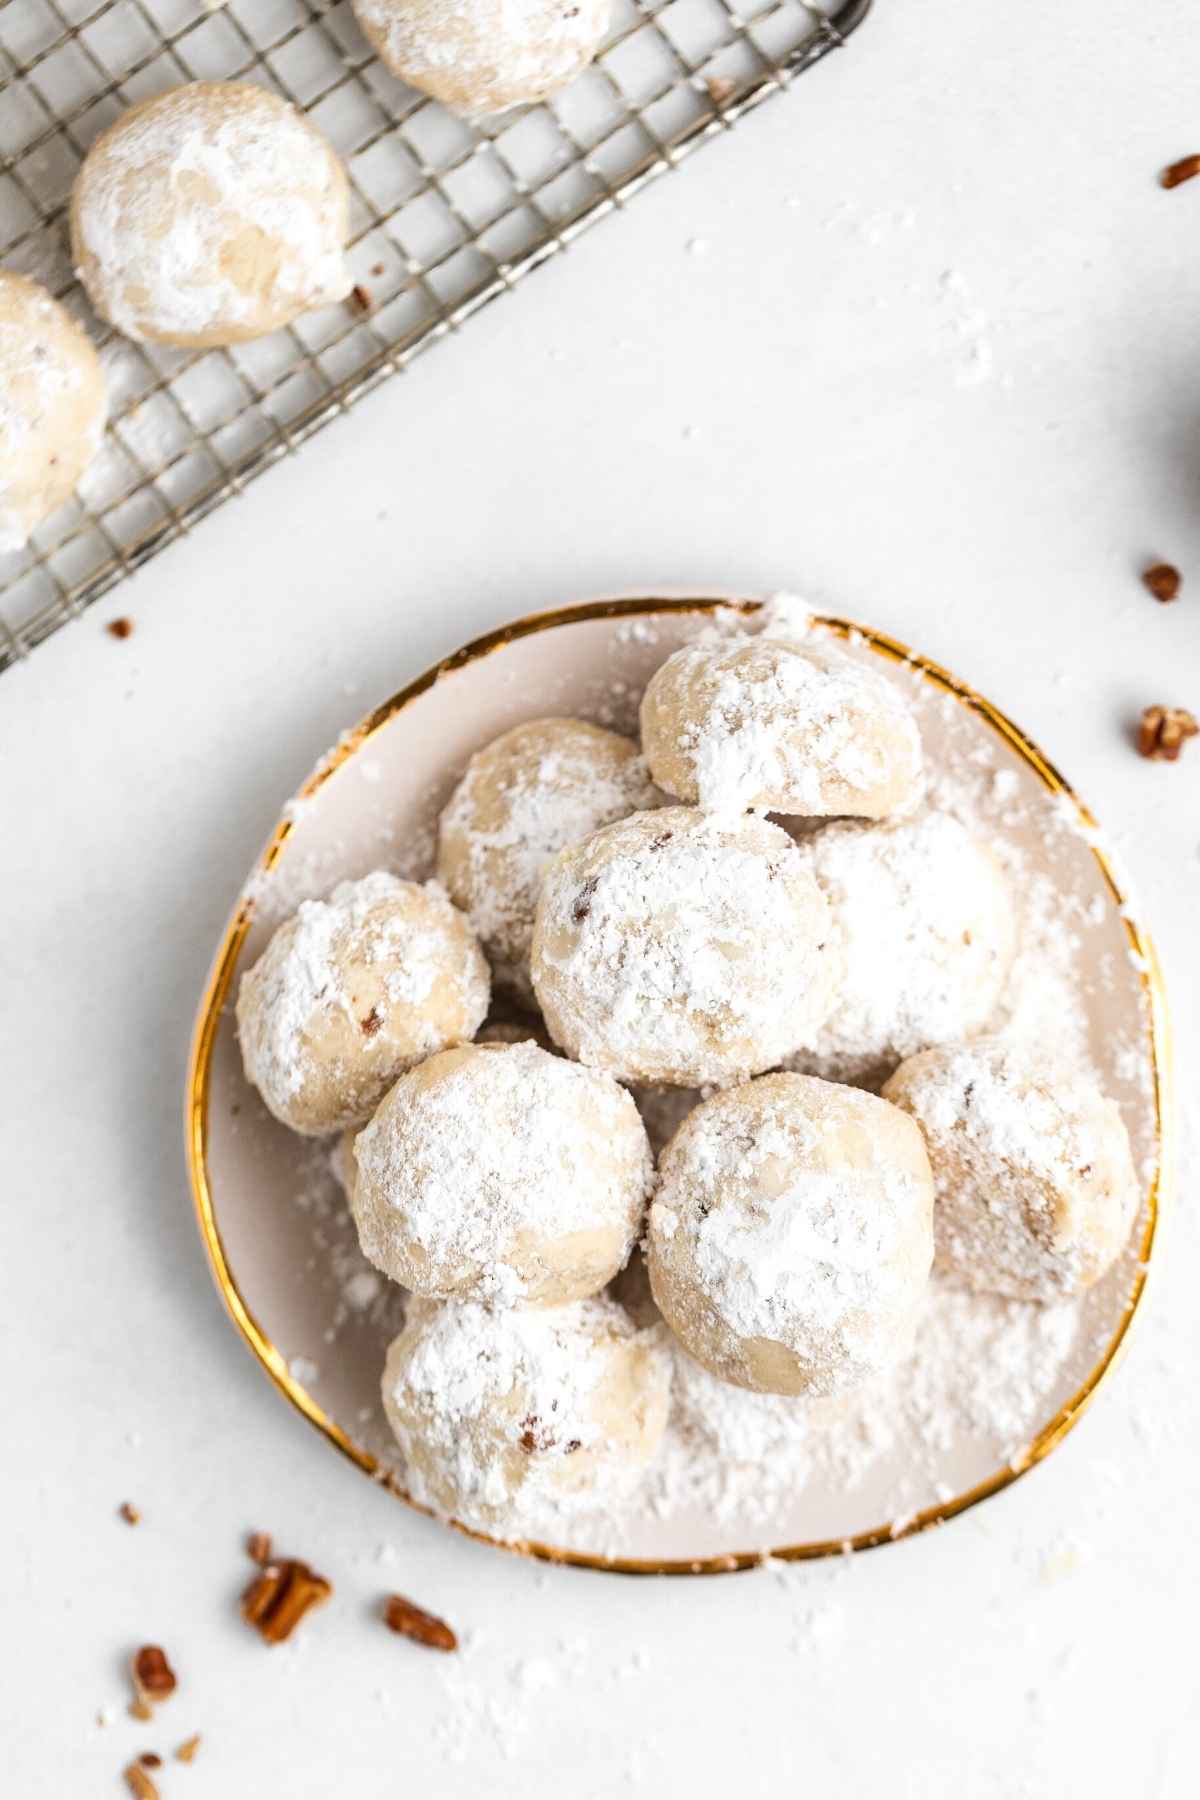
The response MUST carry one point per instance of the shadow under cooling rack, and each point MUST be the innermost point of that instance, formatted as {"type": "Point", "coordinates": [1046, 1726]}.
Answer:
{"type": "Point", "coordinates": [446, 214]}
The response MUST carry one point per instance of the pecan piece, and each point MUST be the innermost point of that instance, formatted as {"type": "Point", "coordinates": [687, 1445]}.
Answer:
{"type": "Point", "coordinates": [186, 1752]}
{"type": "Point", "coordinates": [1178, 172]}
{"type": "Point", "coordinates": [153, 1677]}
{"type": "Point", "coordinates": [258, 1547]}
{"type": "Point", "coordinates": [277, 1600]}
{"type": "Point", "coordinates": [414, 1622]}
{"type": "Point", "coordinates": [129, 1512]}
{"type": "Point", "coordinates": [1163, 580]}
{"type": "Point", "coordinates": [139, 1783]}
{"type": "Point", "coordinates": [1164, 731]}
{"type": "Point", "coordinates": [119, 628]}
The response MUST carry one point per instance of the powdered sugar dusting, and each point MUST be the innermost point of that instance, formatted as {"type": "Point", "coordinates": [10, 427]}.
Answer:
{"type": "Point", "coordinates": [979, 1369]}
{"type": "Point", "coordinates": [411, 940]}
{"type": "Point", "coordinates": [525, 797]}
{"type": "Point", "coordinates": [485, 55]}
{"type": "Point", "coordinates": [213, 206]}
{"type": "Point", "coordinates": [793, 726]}
{"type": "Point", "coordinates": [923, 917]}
{"type": "Point", "coordinates": [502, 1173]}
{"type": "Point", "coordinates": [507, 1418]}
{"type": "Point", "coordinates": [681, 946]}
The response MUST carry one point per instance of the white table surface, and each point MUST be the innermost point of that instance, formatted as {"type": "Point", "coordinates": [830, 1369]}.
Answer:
{"type": "Point", "coordinates": [921, 342]}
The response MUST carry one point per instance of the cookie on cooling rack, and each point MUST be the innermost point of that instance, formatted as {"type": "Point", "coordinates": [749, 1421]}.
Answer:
{"type": "Point", "coordinates": [483, 56]}
{"type": "Point", "coordinates": [52, 406]}
{"type": "Point", "coordinates": [212, 214]}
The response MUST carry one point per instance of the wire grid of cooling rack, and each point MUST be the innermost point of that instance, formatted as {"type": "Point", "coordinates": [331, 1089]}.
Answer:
{"type": "Point", "coordinates": [446, 214]}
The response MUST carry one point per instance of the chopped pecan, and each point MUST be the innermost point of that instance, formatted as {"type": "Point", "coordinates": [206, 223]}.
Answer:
{"type": "Point", "coordinates": [361, 297]}
{"type": "Point", "coordinates": [153, 1676]}
{"type": "Point", "coordinates": [370, 1025]}
{"type": "Point", "coordinates": [139, 1783]}
{"type": "Point", "coordinates": [1163, 580]}
{"type": "Point", "coordinates": [186, 1752]}
{"type": "Point", "coordinates": [1164, 731]}
{"type": "Point", "coordinates": [720, 89]}
{"type": "Point", "coordinates": [150, 1759]}
{"type": "Point", "coordinates": [258, 1547]}
{"type": "Point", "coordinates": [129, 1512]}
{"type": "Point", "coordinates": [277, 1600]}
{"type": "Point", "coordinates": [119, 628]}
{"type": "Point", "coordinates": [414, 1622]}
{"type": "Point", "coordinates": [1177, 172]}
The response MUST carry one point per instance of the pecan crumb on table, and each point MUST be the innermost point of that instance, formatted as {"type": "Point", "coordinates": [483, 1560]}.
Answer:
{"type": "Point", "coordinates": [400, 1615]}
{"type": "Point", "coordinates": [1177, 172]}
{"type": "Point", "coordinates": [1163, 580]}
{"type": "Point", "coordinates": [1164, 731]}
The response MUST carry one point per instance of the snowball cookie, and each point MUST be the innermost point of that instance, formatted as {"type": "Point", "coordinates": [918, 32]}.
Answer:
{"type": "Point", "coordinates": [209, 215]}
{"type": "Point", "coordinates": [923, 919]}
{"type": "Point", "coordinates": [481, 56]}
{"type": "Point", "coordinates": [1033, 1174]}
{"type": "Point", "coordinates": [786, 726]}
{"type": "Point", "coordinates": [682, 947]}
{"type": "Point", "coordinates": [501, 1172]}
{"type": "Point", "coordinates": [791, 1237]}
{"type": "Point", "coordinates": [353, 990]}
{"type": "Point", "coordinates": [52, 406]}
{"type": "Point", "coordinates": [495, 1410]}
{"type": "Point", "coordinates": [525, 797]}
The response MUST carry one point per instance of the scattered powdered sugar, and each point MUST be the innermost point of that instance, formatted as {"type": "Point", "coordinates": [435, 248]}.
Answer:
{"type": "Point", "coordinates": [171, 199]}
{"type": "Point", "coordinates": [502, 1173]}
{"type": "Point", "coordinates": [682, 946]}
{"type": "Point", "coordinates": [924, 920]}
{"type": "Point", "coordinates": [979, 1370]}
{"type": "Point", "coordinates": [784, 616]}
{"type": "Point", "coordinates": [795, 727]}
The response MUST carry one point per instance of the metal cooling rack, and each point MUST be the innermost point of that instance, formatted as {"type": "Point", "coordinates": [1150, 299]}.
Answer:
{"type": "Point", "coordinates": [446, 214]}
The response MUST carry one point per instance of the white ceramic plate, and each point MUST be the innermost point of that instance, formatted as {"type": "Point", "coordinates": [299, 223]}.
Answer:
{"type": "Point", "coordinates": [275, 1226]}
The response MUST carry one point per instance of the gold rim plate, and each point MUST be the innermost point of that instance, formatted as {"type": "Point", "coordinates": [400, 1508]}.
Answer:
{"type": "Point", "coordinates": [197, 1095]}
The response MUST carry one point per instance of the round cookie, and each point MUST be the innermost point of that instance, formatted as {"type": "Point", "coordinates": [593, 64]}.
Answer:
{"type": "Point", "coordinates": [923, 919]}
{"type": "Point", "coordinates": [791, 1237]}
{"type": "Point", "coordinates": [524, 797]}
{"type": "Point", "coordinates": [482, 56]}
{"type": "Point", "coordinates": [52, 407]}
{"type": "Point", "coordinates": [502, 1173]}
{"type": "Point", "coordinates": [211, 214]}
{"type": "Point", "coordinates": [498, 1412]}
{"type": "Point", "coordinates": [682, 947]}
{"type": "Point", "coordinates": [780, 725]}
{"type": "Point", "coordinates": [353, 990]}
{"type": "Point", "coordinates": [1033, 1173]}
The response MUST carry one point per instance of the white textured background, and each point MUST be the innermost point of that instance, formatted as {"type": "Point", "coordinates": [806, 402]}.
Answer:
{"type": "Point", "coordinates": [933, 358]}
